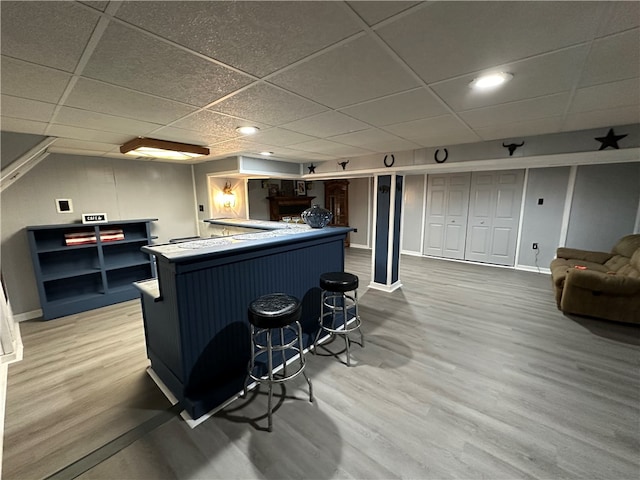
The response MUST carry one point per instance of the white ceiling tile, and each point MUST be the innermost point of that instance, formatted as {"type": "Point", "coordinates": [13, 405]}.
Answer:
{"type": "Point", "coordinates": [100, 5]}
{"type": "Point", "coordinates": [402, 107]}
{"type": "Point", "coordinates": [447, 39]}
{"type": "Point", "coordinates": [326, 124]}
{"type": "Point", "coordinates": [280, 137]}
{"type": "Point", "coordinates": [524, 110]}
{"type": "Point", "coordinates": [339, 91]}
{"type": "Point", "coordinates": [599, 97]}
{"type": "Point", "coordinates": [98, 121]}
{"type": "Point", "coordinates": [374, 12]}
{"type": "Point", "coordinates": [27, 80]}
{"type": "Point", "coordinates": [26, 109]}
{"type": "Point", "coordinates": [83, 145]}
{"type": "Point", "coordinates": [87, 134]}
{"type": "Point", "coordinates": [521, 129]}
{"type": "Point", "coordinates": [376, 140]}
{"type": "Point", "coordinates": [141, 62]}
{"type": "Point", "coordinates": [91, 152]}
{"type": "Point", "coordinates": [48, 33]}
{"type": "Point", "coordinates": [597, 118]}
{"type": "Point", "coordinates": [543, 75]}
{"type": "Point", "coordinates": [92, 95]}
{"type": "Point", "coordinates": [331, 148]}
{"type": "Point", "coordinates": [620, 16]}
{"type": "Point", "coordinates": [604, 65]}
{"type": "Point", "coordinates": [267, 104]}
{"type": "Point", "coordinates": [302, 156]}
{"type": "Point", "coordinates": [433, 132]}
{"type": "Point", "coordinates": [354, 72]}
{"type": "Point", "coordinates": [215, 124]}
{"type": "Point", "coordinates": [80, 147]}
{"type": "Point", "coordinates": [256, 37]}
{"type": "Point", "coordinates": [174, 134]}
{"type": "Point", "coordinates": [392, 145]}
{"type": "Point", "coordinates": [20, 125]}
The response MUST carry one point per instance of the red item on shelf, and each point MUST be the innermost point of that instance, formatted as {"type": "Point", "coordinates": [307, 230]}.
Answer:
{"type": "Point", "coordinates": [83, 238]}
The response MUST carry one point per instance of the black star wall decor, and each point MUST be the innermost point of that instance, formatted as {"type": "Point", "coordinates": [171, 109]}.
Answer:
{"type": "Point", "coordinates": [312, 168]}
{"type": "Point", "coordinates": [611, 140]}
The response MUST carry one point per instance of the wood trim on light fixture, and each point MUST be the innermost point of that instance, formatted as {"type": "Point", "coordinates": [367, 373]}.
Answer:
{"type": "Point", "coordinates": [163, 145]}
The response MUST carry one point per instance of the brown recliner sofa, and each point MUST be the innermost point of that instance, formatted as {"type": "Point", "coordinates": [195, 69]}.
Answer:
{"type": "Point", "coordinates": [599, 284]}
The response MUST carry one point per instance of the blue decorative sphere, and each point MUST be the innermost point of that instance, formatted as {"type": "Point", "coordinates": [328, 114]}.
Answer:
{"type": "Point", "coordinates": [316, 217]}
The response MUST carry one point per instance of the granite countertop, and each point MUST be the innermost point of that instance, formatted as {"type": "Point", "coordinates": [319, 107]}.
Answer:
{"type": "Point", "coordinates": [269, 233]}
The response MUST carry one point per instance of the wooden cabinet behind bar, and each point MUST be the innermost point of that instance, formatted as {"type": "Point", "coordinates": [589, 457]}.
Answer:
{"type": "Point", "coordinates": [336, 200]}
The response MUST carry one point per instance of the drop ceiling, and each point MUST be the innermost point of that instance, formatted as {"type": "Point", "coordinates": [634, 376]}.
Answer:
{"type": "Point", "coordinates": [322, 80]}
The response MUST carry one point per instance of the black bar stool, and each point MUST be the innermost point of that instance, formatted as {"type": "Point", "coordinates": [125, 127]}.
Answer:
{"type": "Point", "coordinates": [275, 327]}
{"type": "Point", "coordinates": [339, 304]}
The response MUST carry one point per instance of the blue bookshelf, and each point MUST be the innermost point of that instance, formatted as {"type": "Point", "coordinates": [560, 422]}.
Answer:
{"type": "Point", "coordinates": [76, 278]}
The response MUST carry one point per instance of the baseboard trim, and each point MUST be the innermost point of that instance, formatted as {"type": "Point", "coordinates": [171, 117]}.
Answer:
{"type": "Point", "coordinates": [386, 288]}
{"type": "Point", "coordinates": [23, 317]}
{"type": "Point", "coordinates": [529, 268]}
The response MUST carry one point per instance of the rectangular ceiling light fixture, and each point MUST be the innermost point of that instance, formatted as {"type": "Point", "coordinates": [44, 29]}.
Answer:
{"type": "Point", "coordinates": [153, 148]}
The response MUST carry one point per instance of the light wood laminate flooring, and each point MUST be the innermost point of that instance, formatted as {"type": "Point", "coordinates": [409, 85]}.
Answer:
{"type": "Point", "coordinates": [468, 371]}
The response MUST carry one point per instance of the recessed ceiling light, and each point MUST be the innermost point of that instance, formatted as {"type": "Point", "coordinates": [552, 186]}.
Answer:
{"type": "Point", "coordinates": [492, 80]}
{"type": "Point", "coordinates": [266, 154]}
{"type": "Point", "coordinates": [247, 130]}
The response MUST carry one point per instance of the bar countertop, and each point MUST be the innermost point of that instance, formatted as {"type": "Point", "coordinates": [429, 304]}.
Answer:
{"type": "Point", "coordinates": [266, 233]}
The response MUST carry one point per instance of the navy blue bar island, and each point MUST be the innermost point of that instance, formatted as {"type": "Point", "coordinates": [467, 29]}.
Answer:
{"type": "Point", "coordinates": [195, 312]}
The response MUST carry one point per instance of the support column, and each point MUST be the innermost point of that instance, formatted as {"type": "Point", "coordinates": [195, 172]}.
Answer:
{"type": "Point", "coordinates": [386, 239]}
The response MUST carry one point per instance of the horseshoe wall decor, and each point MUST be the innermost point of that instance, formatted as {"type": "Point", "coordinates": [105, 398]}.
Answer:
{"type": "Point", "coordinates": [389, 164]}
{"type": "Point", "coordinates": [446, 155]}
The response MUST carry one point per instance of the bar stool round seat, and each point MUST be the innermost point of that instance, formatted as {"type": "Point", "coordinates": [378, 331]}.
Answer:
{"type": "Point", "coordinates": [275, 328]}
{"type": "Point", "coordinates": [274, 311]}
{"type": "Point", "coordinates": [338, 282]}
{"type": "Point", "coordinates": [339, 308]}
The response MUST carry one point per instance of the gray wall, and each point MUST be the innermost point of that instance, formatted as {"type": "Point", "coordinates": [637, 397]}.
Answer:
{"type": "Point", "coordinates": [360, 210]}
{"type": "Point", "coordinates": [604, 207]}
{"type": "Point", "coordinates": [258, 203]}
{"type": "Point", "coordinates": [124, 189]}
{"type": "Point", "coordinates": [543, 223]}
{"type": "Point", "coordinates": [413, 208]}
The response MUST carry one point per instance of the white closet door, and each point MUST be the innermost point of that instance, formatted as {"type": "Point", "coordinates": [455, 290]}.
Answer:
{"type": "Point", "coordinates": [494, 211]}
{"type": "Point", "coordinates": [446, 220]}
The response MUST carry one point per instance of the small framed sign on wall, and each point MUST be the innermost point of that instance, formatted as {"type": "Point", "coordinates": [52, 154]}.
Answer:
{"type": "Point", "coordinates": [94, 218]}
{"type": "Point", "coordinates": [64, 205]}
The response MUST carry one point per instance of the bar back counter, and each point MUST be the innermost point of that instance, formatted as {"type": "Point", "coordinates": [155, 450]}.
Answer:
{"type": "Point", "coordinates": [195, 312]}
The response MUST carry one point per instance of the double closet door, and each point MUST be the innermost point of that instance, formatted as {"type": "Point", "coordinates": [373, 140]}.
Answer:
{"type": "Point", "coordinates": [474, 216]}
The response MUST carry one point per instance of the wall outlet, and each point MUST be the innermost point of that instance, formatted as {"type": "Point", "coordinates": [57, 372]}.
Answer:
{"type": "Point", "coordinates": [534, 246]}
